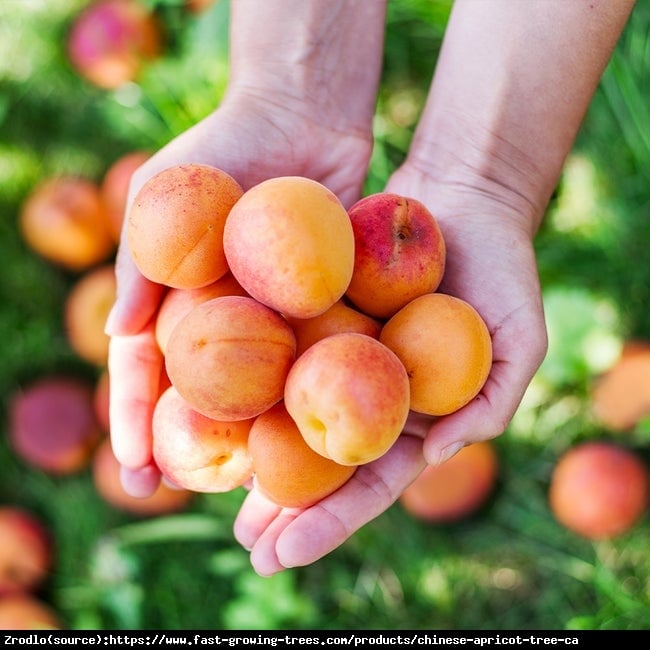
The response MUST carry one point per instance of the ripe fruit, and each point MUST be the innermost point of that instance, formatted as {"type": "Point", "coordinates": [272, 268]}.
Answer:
{"type": "Point", "coordinates": [101, 400]}
{"type": "Point", "coordinates": [599, 490]}
{"type": "Point", "coordinates": [86, 310]}
{"type": "Point", "coordinates": [621, 396]}
{"type": "Point", "coordinates": [196, 452]}
{"type": "Point", "coordinates": [175, 225]}
{"type": "Point", "coordinates": [106, 479]}
{"type": "Point", "coordinates": [457, 488]}
{"type": "Point", "coordinates": [287, 470]}
{"type": "Point", "coordinates": [52, 424]}
{"type": "Point", "coordinates": [110, 40]}
{"type": "Point", "coordinates": [446, 349]}
{"type": "Point", "coordinates": [25, 612]}
{"type": "Point", "coordinates": [64, 221]}
{"type": "Point", "coordinates": [229, 357]}
{"type": "Point", "coordinates": [400, 253]}
{"type": "Point", "coordinates": [339, 318]}
{"type": "Point", "coordinates": [349, 395]}
{"type": "Point", "coordinates": [179, 302]}
{"type": "Point", "coordinates": [25, 551]}
{"type": "Point", "coordinates": [114, 188]}
{"type": "Point", "coordinates": [289, 243]}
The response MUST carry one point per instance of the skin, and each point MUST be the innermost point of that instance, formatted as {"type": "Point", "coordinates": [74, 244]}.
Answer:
{"type": "Point", "coordinates": [486, 156]}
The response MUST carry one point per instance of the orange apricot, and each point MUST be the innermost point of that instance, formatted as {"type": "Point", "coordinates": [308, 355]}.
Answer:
{"type": "Point", "coordinates": [175, 225]}
{"type": "Point", "coordinates": [27, 612]}
{"type": "Point", "coordinates": [446, 349]}
{"type": "Point", "coordinates": [286, 469]}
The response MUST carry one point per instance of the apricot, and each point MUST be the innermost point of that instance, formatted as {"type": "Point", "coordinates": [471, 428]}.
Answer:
{"type": "Point", "coordinates": [101, 400]}
{"type": "Point", "coordinates": [106, 479]}
{"type": "Point", "coordinates": [26, 612]}
{"type": "Point", "coordinates": [286, 470]}
{"type": "Point", "coordinates": [110, 40]}
{"type": "Point", "coordinates": [446, 349]}
{"type": "Point", "coordinates": [175, 225]}
{"type": "Point", "coordinates": [599, 490]}
{"type": "Point", "coordinates": [64, 221]}
{"type": "Point", "coordinates": [26, 551]}
{"type": "Point", "coordinates": [52, 424]}
{"type": "Point", "coordinates": [400, 253]}
{"type": "Point", "coordinates": [179, 302]}
{"type": "Point", "coordinates": [349, 396]}
{"type": "Point", "coordinates": [229, 357]}
{"type": "Point", "coordinates": [86, 309]}
{"type": "Point", "coordinates": [340, 317]}
{"type": "Point", "coordinates": [114, 188]}
{"type": "Point", "coordinates": [196, 452]}
{"type": "Point", "coordinates": [620, 397]}
{"type": "Point", "coordinates": [456, 489]}
{"type": "Point", "coordinates": [289, 243]}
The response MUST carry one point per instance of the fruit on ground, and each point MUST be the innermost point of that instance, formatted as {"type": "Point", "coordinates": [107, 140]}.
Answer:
{"type": "Point", "coordinates": [114, 188]}
{"type": "Point", "coordinates": [26, 551]}
{"type": "Point", "coordinates": [400, 253]}
{"type": "Point", "coordinates": [289, 243]}
{"type": "Point", "coordinates": [339, 318]}
{"type": "Point", "coordinates": [64, 221]}
{"type": "Point", "coordinates": [349, 396]}
{"type": "Point", "coordinates": [230, 356]}
{"type": "Point", "coordinates": [106, 479]}
{"type": "Point", "coordinates": [196, 452]}
{"type": "Point", "coordinates": [52, 424]}
{"type": "Point", "coordinates": [446, 349]}
{"type": "Point", "coordinates": [179, 302]}
{"type": "Point", "coordinates": [621, 396]}
{"type": "Point", "coordinates": [110, 40]}
{"type": "Point", "coordinates": [286, 470]}
{"type": "Point", "coordinates": [176, 222]}
{"type": "Point", "coordinates": [599, 490]}
{"type": "Point", "coordinates": [85, 312]}
{"type": "Point", "coordinates": [26, 612]}
{"type": "Point", "coordinates": [456, 489]}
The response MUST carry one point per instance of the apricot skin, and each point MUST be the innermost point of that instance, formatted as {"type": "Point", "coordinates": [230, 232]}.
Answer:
{"type": "Point", "coordinates": [289, 243]}
{"type": "Point", "coordinates": [349, 396]}
{"type": "Point", "coordinates": [287, 470]}
{"type": "Point", "coordinates": [229, 357]}
{"type": "Point", "coordinates": [175, 225]}
{"type": "Point", "coordinates": [27, 612]}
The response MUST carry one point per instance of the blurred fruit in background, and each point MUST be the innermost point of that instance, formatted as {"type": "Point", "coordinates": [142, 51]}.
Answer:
{"type": "Point", "coordinates": [26, 612]}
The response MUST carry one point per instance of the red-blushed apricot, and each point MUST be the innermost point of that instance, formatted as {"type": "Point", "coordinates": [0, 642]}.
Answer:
{"type": "Point", "coordinates": [86, 309]}
{"type": "Point", "coordinates": [457, 488]}
{"type": "Point", "coordinates": [178, 303]}
{"type": "Point", "coordinates": [400, 253]}
{"type": "Point", "coordinates": [64, 221]}
{"type": "Point", "coordinates": [349, 396]}
{"type": "Point", "coordinates": [107, 482]}
{"type": "Point", "coordinates": [27, 612]}
{"type": "Point", "coordinates": [52, 424]}
{"type": "Point", "coordinates": [286, 470]}
{"type": "Point", "coordinates": [339, 318]}
{"type": "Point", "coordinates": [229, 357]}
{"type": "Point", "coordinates": [599, 490]}
{"type": "Point", "coordinates": [446, 349]}
{"type": "Point", "coordinates": [196, 452]}
{"type": "Point", "coordinates": [114, 188]}
{"type": "Point", "coordinates": [26, 551]}
{"type": "Point", "coordinates": [109, 41]}
{"type": "Point", "coordinates": [175, 225]}
{"type": "Point", "coordinates": [620, 397]}
{"type": "Point", "coordinates": [289, 243]}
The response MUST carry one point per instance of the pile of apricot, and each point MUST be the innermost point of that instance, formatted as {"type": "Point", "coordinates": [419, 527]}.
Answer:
{"type": "Point", "coordinates": [297, 335]}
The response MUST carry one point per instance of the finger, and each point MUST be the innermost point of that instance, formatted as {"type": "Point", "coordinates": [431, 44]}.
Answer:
{"type": "Point", "coordinates": [140, 483]}
{"type": "Point", "coordinates": [255, 515]}
{"type": "Point", "coordinates": [297, 539]}
{"type": "Point", "coordinates": [135, 365]}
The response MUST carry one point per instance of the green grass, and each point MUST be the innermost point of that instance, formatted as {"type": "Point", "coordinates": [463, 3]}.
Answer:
{"type": "Point", "coordinates": [509, 567]}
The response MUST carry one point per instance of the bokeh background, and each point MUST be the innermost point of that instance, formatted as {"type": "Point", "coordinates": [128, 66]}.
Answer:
{"type": "Point", "coordinates": [510, 565]}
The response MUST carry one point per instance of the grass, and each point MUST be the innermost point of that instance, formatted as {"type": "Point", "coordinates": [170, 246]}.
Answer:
{"type": "Point", "coordinates": [509, 567]}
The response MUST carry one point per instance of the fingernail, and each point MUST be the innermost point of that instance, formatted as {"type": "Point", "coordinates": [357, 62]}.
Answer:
{"type": "Point", "coordinates": [449, 451]}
